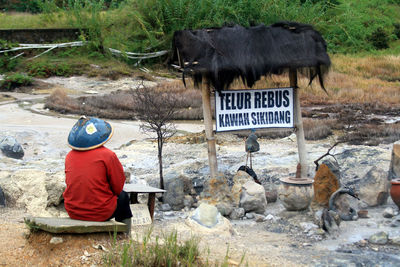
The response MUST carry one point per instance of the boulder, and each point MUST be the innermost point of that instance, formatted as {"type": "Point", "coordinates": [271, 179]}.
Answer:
{"type": "Point", "coordinates": [188, 201]}
{"type": "Point", "coordinates": [253, 198]}
{"type": "Point", "coordinates": [394, 170]}
{"type": "Point", "coordinates": [218, 193]}
{"type": "Point", "coordinates": [206, 215]}
{"type": "Point", "coordinates": [237, 213]}
{"type": "Point", "coordinates": [325, 184]}
{"type": "Point", "coordinates": [11, 148]}
{"type": "Point", "coordinates": [374, 187]}
{"type": "Point", "coordinates": [175, 195]}
{"type": "Point", "coordinates": [225, 208]}
{"type": "Point", "coordinates": [239, 180]}
{"type": "Point", "coordinates": [55, 187]}
{"type": "Point", "coordinates": [2, 198]}
{"type": "Point", "coordinates": [207, 220]}
{"type": "Point", "coordinates": [34, 190]}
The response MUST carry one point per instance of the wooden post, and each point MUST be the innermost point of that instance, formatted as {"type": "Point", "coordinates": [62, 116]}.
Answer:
{"type": "Point", "coordinates": [208, 124]}
{"type": "Point", "coordinates": [298, 123]}
{"type": "Point", "coordinates": [150, 204]}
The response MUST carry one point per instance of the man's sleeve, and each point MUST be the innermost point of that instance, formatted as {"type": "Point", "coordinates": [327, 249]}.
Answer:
{"type": "Point", "coordinates": [115, 173]}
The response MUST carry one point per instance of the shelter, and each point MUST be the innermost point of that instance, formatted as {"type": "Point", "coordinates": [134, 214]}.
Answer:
{"type": "Point", "coordinates": [215, 57]}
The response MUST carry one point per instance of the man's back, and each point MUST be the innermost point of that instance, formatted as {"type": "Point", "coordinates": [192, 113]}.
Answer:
{"type": "Point", "coordinates": [94, 180]}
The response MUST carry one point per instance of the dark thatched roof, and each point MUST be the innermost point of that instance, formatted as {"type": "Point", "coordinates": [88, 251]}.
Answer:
{"type": "Point", "coordinates": [220, 55]}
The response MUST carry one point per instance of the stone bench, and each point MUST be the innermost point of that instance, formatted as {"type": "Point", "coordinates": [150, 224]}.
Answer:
{"type": "Point", "coordinates": [69, 226]}
{"type": "Point", "coordinates": [135, 189]}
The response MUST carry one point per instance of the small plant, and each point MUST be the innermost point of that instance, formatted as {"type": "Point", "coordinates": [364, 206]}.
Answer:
{"type": "Point", "coordinates": [13, 81]}
{"type": "Point", "coordinates": [32, 226]}
{"type": "Point", "coordinates": [397, 30]}
{"type": "Point", "coordinates": [164, 251]}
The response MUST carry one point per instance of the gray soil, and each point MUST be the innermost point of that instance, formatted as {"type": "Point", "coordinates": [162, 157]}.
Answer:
{"type": "Point", "coordinates": [280, 241]}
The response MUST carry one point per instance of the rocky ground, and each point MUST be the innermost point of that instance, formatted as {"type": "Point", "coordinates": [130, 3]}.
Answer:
{"type": "Point", "coordinates": [278, 237]}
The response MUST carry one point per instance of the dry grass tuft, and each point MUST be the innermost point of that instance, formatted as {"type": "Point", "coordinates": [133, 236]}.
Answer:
{"type": "Point", "coordinates": [373, 135]}
{"type": "Point", "coordinates": [119, 105]}
{"type": "Point", "coordinates": [61, 102]}
{"type": "Point", "coordinates": [317, 129]}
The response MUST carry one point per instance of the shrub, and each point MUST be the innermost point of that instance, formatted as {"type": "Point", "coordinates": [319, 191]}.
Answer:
{"type": "Point", "coordinates": [7, 64]}
{"type": "Point", "coordinates": [15, 80]}
{"type": "Point", "coordinates": [32, 6]}
{"type": "Point", "coordinates": [397, 30]}
{"type": "Point", "coordinates": [379, 39]}
{"type": "Point", "coordinates": [46, 69]}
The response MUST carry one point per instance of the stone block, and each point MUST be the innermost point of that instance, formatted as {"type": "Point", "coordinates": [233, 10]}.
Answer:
{"type": "Point", "coordinates": [68, 225]}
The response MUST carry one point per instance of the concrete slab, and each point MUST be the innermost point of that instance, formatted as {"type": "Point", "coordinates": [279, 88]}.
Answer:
{"type": "Point", "coordinates": [68, 225]}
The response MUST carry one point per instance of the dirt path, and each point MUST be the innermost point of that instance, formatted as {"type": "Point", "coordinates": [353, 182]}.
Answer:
{"type": "Point", "coordinates": [19, 248]}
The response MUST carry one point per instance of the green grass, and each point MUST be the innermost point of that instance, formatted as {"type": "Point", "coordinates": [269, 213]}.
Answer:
{"type": "Point", "coordinates": [18, 20]}
{"type": "Point", "coordinates": [166, 250]}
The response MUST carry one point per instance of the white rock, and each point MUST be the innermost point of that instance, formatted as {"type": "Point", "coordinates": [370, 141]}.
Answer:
{"type": "Point", "coordinates": [56, 240]}
{"type": "Point", "coordinates": [388, 212]}
{"type": "Point", "coordinates": [270, 217]}
{"type": "Point", "coordinates": [307, 226]}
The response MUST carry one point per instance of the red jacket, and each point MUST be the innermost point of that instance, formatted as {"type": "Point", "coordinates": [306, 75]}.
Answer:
{"type": "Point", "coordinates": [94, 180]}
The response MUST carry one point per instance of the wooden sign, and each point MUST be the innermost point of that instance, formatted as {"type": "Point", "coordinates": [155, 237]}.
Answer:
{"type": "Point", "coordinates": [140, 214]}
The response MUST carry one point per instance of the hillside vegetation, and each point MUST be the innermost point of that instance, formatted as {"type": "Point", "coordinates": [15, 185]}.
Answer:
{"type": "Point", "coordinates": [147, 25]}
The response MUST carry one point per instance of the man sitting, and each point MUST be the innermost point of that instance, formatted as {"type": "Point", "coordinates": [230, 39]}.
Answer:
{"type": "Point", "coordinates": [94, 175]}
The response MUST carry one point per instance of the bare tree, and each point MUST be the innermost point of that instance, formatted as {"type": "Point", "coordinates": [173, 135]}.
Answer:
{"type": "Point", "coordinates": [155, 108]}
{"type": "Point", "coordinates": [328, 153]}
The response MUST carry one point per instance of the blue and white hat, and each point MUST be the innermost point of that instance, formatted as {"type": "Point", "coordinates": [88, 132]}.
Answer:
{"type": "Point", "coordinates": [89, 133]}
